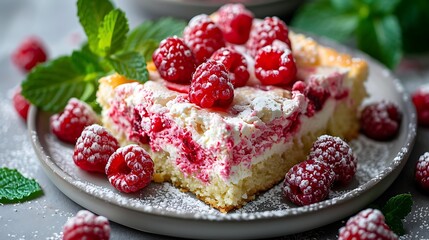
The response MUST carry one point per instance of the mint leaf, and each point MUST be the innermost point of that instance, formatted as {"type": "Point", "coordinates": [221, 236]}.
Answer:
{"type": "Point", "coordinates": [16, 188]}
{"type": "Point", "coordinates": [399, 206]}
{"type": "Point", "coordinates": [50, 85]}
{"type": "Point", "coordinates": [91, 14]}
{"type": "Point", "coordinates": [130, 64]}
{"type": "Point", "coordinates": [381, 38]}
{"type": "Point", "coordinates": [86, 62]}
{"type": "Point", "coordinates": [322, 18]}
{"type": "Point", "coordinates": [396, 209]}
{"type": "Point", "coordinates": [112, 32]}
{"type": "Point", "coordinates": [384, 6]}
{"type": "Point", "coordinates": [146, 37]}
{"type": "Point", "coordinates": [413, 17]}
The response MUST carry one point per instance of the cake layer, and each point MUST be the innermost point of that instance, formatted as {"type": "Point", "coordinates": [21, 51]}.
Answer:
{"type": "Point", "coordinates": [227, 156]}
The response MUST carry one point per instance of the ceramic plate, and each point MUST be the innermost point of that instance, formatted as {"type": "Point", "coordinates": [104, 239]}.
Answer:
{"type": "Point", "coordinates": [163, 209]}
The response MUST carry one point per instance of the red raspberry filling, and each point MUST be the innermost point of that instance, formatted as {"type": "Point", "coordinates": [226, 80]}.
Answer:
{"type": "Point", "coordinates": [275, 66]}
{"type": "Point", "coordinates": [338, 155]}
{"type": "Point", "coordinates": [174, 60]}
{"type": "Point", "coordinates": [381, 120]}
{"type": "Point", "coordinates": [308, 182]}
{"type": "Point", "coordinates": [20, 104]}
{"type": "Point", "coordinates": [69, 124]}
{"type": "Point", "coordinates": [422, 171]}
{"type": "Point", "coordinates": [421, 101]}
{"type": "Point", "coordinates": [264, 33]}
{"type": "Point", "coordinates": [235, 21]}
{"type": "Point", "coordinates": [203, 37]}
{"type": "Point", "coordinates": [130, 169]}
{"type": "Point", "coordinates": [86, 225]}
{"type": "Point", "coordinates": [30, 53]}
{"type": "Point", "coordinates": [93, 148]}
{"type": "Point", "coordinates": [235, 64]}
{"type": "Point", "coordinates": [210, 86]}
{"type": "Point", "coordinates": [367, 224]}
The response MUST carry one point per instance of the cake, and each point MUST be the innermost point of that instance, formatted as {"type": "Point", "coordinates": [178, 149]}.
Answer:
{"type": "Point", "coordinates": [227, 156]}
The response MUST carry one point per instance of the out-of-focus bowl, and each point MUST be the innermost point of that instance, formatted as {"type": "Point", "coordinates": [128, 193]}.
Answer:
{"type": "Point", "coordinates": [189, 8]}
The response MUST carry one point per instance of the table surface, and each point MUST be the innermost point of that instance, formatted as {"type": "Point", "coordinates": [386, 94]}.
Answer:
{"type": "Point", "coordinates": [56, 24]}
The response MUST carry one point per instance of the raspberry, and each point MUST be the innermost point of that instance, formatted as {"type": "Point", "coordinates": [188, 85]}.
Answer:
{"type": "Point", "coordinates": [235, 64]}
{"type": "Point", "coordinates": [421, 101]}
{"type": "Point", "coordinates": [235, 21]}
{"type": "Point", "coordinates": [422, 171]}
{"type": "Point", "coordinates": [29, 54]}
{"type": "Point", "coordinates": [93, 148]}
{"type": "Point", "coordinates": [20, 103]}
{"type": "Point", "coordinates": [265, 32]}
{"type": "Point", "coordinates": [367, 224]}
{"type": "Point", "coordinates": [381, 120]}
{"type": "Point", "coordinates": [130, 169]}
{"type": "Point", "coordinates": [174, 60]}
{"type": "Point", "coordinates": [308, 182]}
{"type": "Point", "coordinates": [203, 37]}
{"type": "Point", "coordinates": [337, 154]}
{"type": "Point", "coordinates": [86, 225]}
{"type": "Point", "coordinates": [211, 86]}
{"type": "Point", "coordinates": [69, 124]}
{"type": "Point", "coordinates": [275, 66]}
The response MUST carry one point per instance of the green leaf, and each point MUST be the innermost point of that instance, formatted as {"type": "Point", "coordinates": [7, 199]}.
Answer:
{"type": "Point", "coordinates": [398, 206]}
{"type": "Point", "coordinates": [384, 6]}
{"type": "Point", "coordinates": [146, 37]}
{"type": "Point", "coordinates": [91, 14]}
{"type": "Point", "coordinates": [342, 5]}
{"type": "Point", "coordinates": [396, 209]}
{"type": "Point", "coordinates": [16, 188]}
{"type": "Point", "coordinates": [130, 64]}
{"type": "Point", "coordinates": [50, 85]}
{"type": "Point", "coordinates": [381, 38]}
{"type": "Point", "coordinates": [86, 62]}
{"type": "Point", "coordinates": [321, 18]}
{"type": "Point", "coordinates": [413, 17]}
{"type": "Point", "coordinates": [112, 32]}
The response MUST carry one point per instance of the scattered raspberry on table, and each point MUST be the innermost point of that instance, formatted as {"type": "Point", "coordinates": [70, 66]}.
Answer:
{"type": "Point", "coordinates": [422, 171]}
{"type": "Point", "coordinates": [367, 224]}
{"type": "Point", "coordinates": [29, 54]}
{"type": "Point", "coordinates": [86, 225]}
{"type": "Point", "coordinates": [420, 99]}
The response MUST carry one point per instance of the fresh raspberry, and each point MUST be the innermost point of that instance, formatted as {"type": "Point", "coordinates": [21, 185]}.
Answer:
{"type": "Point", "coordinates": [211, 86]}
{"type": "Point", "coordinates": [130, 169]}
{"type": "Point", "coordinates": [29, 54]}
{"type": "Point", "coordinates": [203, 37]}
{"type": "Point", "coordinates": [265, 32]}
{"type": "Point", "coordinates": [367, 224]}
{"type": "Point", "coordinates": [235, 64]}
{"type": "Point", "coordinates": [86, 225]}
{"type": "Point", "coordinates": [422, 171]}
{"type": "Point", "coordinates": [93, 148]}
{"type": "Point", "coordinates": [381, 120]}
{"type": "Point", "coordinates": [235, 21]}
{"type": "Point", "coordinates": [275, 66]}
{"type": "Point", "coordinates": [337, 154]}
{"type": "Point", "coordinates": [174, 60]}
{"type": "Point", "coordinates": [308, 182]}
{"type": "Point", "coordinates": [421, 101]}
{"type": "Point", "coordinates": [20, 103]}
{"type": "Point", "coordinates": [69, 124]}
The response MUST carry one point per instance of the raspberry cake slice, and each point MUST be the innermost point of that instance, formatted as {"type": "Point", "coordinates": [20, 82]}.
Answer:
{"type": "Point", "coordinates": [226, 156]}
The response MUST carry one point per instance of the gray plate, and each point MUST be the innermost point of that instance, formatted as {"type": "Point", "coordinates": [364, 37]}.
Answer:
{"type": "Point", "coordinates": [162, 209]}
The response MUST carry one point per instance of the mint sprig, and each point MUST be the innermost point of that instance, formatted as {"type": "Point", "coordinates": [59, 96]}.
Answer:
{"type": "Point", "coordinates": [14, 187]}
{"type": "Point", "coordinates": [110, 48]}
{"type": "Point", "coordinates": [381, 28]}
{"type": "Point", "coordinates": [395, 210]}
